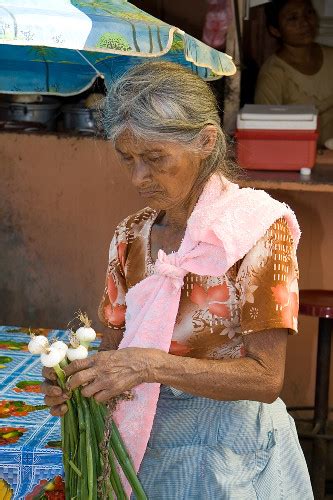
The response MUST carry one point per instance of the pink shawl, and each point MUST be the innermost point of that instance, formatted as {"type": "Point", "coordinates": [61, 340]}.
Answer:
{"type": "Point", "coordinates": [225, 224]}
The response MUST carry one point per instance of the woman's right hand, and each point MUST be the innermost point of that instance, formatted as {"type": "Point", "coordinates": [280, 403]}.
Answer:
{"type": "Point", "coordinates": [54, 396]}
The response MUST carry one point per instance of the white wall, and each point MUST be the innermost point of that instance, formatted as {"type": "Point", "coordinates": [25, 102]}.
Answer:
{"type": "Point", "coordinates": [325, 12]}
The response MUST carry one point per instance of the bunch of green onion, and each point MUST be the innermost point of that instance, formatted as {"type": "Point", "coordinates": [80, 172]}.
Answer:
{"type": "Point", "coordinates": [93, 450]}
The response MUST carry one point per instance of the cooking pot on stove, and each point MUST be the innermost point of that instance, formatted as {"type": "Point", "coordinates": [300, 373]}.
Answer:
{"type": "Point", "coordinates": [43, 113]}
{"type": "Point", "coordinates": [78, 118]}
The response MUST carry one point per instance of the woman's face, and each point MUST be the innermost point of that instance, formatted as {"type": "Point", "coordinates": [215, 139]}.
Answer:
{"type": "Point", "coordinates": [298, 23]}
{"type": "Point", "coordinates": [163, 173]}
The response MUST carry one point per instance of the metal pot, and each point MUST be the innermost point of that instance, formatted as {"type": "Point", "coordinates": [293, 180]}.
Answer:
{"type": "Point", "coordinates": [80, 119]}
{"type": "Point", "coordinates": [44, 114]}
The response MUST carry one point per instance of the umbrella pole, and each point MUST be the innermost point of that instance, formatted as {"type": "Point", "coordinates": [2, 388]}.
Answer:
{"type": "Point", "coordinates": [98, 73]}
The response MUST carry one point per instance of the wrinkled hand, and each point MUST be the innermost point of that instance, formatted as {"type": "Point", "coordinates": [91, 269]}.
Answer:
{"type": "Point", "coordinates": [54, 396]}
{"type": "Point", "coordinates": [110, 373]}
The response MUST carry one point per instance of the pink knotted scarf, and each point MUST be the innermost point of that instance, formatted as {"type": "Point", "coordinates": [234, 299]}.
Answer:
{"type": "Point", "coordinates": [223, 227]}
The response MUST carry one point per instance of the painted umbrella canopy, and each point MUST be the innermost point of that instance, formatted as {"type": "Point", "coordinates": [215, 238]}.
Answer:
{"type": "Point", "coordinates": [60, 47]}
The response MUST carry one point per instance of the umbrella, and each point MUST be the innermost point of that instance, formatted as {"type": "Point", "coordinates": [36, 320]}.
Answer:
{"type": "Point", "coordinates": [60, 47]}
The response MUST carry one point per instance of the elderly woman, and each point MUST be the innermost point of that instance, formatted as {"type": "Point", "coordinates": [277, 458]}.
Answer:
{"type": "Point", "coordinates": [207, 276]}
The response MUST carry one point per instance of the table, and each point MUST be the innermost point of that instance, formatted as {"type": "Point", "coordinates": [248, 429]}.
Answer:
{"type": "Point", "coordinates": [30, 446]}
{"type": "Point", "coordinates": [320, 180]}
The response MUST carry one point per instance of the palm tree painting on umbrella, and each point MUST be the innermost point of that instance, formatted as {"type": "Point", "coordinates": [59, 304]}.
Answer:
{"type": "Point", "coordinates": [62, 47]}
{"type": "Point", "coordinates": [124, 12]}
{"type": "Point", "coordinates": [150, 36]}
{"type": "Point", "coordinates": [114, 41]}
{"type": "Point", "coordinates": [43, 54]}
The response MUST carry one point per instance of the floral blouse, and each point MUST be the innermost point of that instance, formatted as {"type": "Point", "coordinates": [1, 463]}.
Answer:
{"type": "Point", "coordinates": [257, 293]}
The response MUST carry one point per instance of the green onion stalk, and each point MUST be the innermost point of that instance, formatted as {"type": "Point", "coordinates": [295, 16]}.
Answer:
{"type": "Point", "coordinates": [93, 450]}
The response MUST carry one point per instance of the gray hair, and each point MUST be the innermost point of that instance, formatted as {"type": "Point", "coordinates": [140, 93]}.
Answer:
{"type": "Point", "coordinates": [162, 101]}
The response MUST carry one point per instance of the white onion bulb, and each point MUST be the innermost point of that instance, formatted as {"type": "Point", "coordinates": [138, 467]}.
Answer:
{"type": "Point", "coordinates": [38, 344]}
{"type": "Point", "coordinates": [52, 357]}
{"type": "Point", "coordinates": [75, 353]}
{"type": "Point", "coordinates": [59, 344]}
{"type": "Point", "coordinates": [85, 334]}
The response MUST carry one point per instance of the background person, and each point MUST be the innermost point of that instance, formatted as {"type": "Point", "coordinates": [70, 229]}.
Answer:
{"type": "Point", "coordinates": [301, 71]}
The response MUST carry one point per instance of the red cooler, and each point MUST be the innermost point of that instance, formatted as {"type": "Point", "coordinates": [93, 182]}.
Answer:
{"type": "Point", "coordinates": [277, 137]}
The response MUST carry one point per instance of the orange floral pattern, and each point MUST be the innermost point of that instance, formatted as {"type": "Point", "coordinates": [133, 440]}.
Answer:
{"type": "Point", "coordinates": [214, 298]}
{"type": "Point", "coordinates": [259, 292]}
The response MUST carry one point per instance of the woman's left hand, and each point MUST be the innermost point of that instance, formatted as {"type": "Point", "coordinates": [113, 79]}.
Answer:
{"type": "Point", "coordinates": [109, 373]}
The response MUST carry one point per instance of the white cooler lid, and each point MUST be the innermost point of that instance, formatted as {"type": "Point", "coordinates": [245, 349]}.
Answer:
{"type": "Point", "coordinates": [277, 117]}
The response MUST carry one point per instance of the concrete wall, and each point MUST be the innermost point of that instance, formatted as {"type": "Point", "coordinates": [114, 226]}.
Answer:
{"type": "Point", "coordinates": [60, 201]}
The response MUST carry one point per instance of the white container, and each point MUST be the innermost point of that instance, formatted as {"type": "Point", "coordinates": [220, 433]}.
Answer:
{"type": "Point", "coordinates": [276, 117]}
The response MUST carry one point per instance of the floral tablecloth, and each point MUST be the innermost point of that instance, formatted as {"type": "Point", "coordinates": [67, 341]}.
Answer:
{"type": "Point", "coordinates": [30, 446]}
